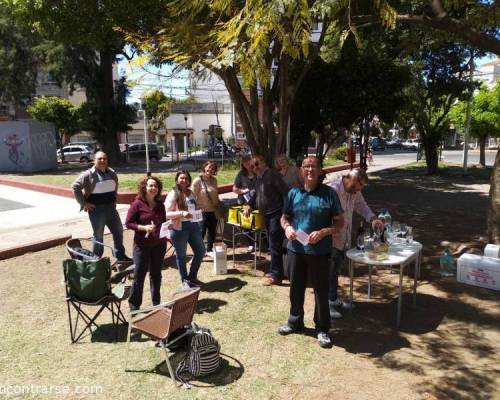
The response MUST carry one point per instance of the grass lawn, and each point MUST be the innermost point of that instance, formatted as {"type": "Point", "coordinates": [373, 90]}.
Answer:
{"type": "Point", "coordinates": [447, 348]}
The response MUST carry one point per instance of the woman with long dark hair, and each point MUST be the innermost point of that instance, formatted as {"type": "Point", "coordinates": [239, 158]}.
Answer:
{"type": "Point", "coordinates": [244, 182]}
{"type": "Point", "coordinates": [180, 205]}
{"type": "Point", "coordinates": [145, 216]}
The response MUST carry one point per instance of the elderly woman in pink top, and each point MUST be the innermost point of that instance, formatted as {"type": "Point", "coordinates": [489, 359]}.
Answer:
{"type": "Point", "coordinates": [180, 205]}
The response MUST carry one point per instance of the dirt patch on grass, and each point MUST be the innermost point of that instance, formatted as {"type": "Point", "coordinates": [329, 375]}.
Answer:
{"type": "Point", "coordinates": [447, 348]}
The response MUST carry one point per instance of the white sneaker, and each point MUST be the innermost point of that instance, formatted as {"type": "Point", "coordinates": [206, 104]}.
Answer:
{"type": "Point", "coordinates": [347, 305]}
{"type": "Point", "coordinates": [210, 254]}
{"type": "Point", "coordinates": [340, 303]}
{"type": "Point", "coordinates": [324, 340]}
{"type": "Point", "coordinates": [334, 314]}
{"type": "Point", "coordinates": [250, 249]}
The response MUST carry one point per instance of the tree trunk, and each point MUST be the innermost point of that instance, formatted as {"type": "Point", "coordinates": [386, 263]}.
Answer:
{"type": "Point", "coordinates": [482, 147]}
{"type": "Point", "coordinates": [494, 210]}
{"type": "Point", "coordinates": [431, 159]}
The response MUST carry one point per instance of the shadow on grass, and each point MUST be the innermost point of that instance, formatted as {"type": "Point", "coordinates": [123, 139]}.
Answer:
{"type": "Point", "coordinates": [209, 306]}
{"type": "Point", "coordinates": [230, 371]}
{"type": "Point", "coordinates": [227, 285]}
{"type": "Point", "coordinates": [439, 207]}
{"type": "Point", "coordinates": [461, 350]}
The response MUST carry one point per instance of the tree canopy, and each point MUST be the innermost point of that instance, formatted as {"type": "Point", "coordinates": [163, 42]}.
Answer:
{"type": "Point", "coordinates": [485, 116]}
{"type": "Point", "coordinates": [18, 60]}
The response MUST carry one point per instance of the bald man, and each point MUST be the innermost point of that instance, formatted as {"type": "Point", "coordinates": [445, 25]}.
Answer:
{"type": "Point", "coordinates": [95, 190]}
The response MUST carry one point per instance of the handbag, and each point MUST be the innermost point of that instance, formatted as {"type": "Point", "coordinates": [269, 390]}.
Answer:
{"type": "Point", "coordinates": [220, 209]}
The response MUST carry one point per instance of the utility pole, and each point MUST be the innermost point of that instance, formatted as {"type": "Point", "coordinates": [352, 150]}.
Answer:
{"type": "Point", "coordinates": [469, 110]}
{"type": "Point", "coordinates": [143, 104]}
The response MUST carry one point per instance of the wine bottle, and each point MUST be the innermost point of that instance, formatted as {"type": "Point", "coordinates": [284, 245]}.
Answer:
{"type": "Point", "coordinates": [360, 237]}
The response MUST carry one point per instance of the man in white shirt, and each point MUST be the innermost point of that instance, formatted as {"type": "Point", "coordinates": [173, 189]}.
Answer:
{"type": "Point", "coordinates": [348, 189]}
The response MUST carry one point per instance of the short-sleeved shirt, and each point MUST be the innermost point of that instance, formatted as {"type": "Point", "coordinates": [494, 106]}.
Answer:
{"type": "Point", "coordinates": [312, 211]}
{"type": "Point", "coordinates": [243, 181]}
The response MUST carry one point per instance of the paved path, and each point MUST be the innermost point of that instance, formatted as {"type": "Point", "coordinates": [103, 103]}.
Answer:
{"type": "Point", "coordinates": [28, 216]}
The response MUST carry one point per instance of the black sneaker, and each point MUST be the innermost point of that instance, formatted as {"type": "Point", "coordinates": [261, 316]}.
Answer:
{"type": "Point", "coordinates": [287, 329]}
{"type": "Point", "coordinates": [125, 259]}
{"type": "Point", "coordinates": [324, 340]}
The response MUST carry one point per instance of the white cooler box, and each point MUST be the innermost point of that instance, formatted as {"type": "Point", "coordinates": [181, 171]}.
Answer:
{"type": "Point", "coordinates": [220, 259]}
{"type": "Point", "coordinates": [479, 271]}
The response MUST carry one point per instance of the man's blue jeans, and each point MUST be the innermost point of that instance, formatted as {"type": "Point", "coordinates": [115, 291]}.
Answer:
{"type": "Point", "coordinates": [102, 216]}
{"type": "Point", "coordinates": [191, 234]}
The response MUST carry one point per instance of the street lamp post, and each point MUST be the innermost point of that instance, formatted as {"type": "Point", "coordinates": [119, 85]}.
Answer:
{"type": "Point", "coordinates": [143, 106]}
{"type": "Point", "coordinates": [186, 135]}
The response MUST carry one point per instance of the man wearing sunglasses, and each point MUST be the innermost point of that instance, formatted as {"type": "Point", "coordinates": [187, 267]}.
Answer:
{"type": "Point", "coordinates": [348, 189]}
{"type": "Point", "coordinates": [269, 199]}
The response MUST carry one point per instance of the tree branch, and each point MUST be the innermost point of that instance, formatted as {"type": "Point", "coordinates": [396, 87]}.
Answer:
{"type": "Point", "coordinates": [461, 30]}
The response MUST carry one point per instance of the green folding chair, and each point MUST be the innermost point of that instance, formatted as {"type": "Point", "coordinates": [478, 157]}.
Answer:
{"type": "Point", "coordinates": [88, 285]}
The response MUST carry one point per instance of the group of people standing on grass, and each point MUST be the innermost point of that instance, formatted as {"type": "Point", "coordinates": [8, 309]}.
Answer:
{"type": "Point", "coordinates": [315, 219]}
{"type": "Point", "coordinates": [96, 191]}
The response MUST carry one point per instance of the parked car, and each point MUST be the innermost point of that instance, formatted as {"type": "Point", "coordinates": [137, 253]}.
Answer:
{"type": "Point", "coordinates": [377, 143]}
{"type": "Point", "coordinates": [91, 145]}
{"type": "Point", "coordinates": [394, 144]}
{"type": "Point", "coordinates": [137, 151]}
{"type": "Point", "coordinates": [410, 144]}
{"type": "Point", "coordinates": [216, 150]}
{"type": "Point", "coordinates": [79, 153]}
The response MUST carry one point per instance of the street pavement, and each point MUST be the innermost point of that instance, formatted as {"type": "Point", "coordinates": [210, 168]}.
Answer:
{"type": "Point", "coordinates": [28, 216]}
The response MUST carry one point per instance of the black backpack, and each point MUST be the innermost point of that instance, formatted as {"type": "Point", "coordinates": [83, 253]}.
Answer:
{"type": "Point", "coordinates": [203, 356]}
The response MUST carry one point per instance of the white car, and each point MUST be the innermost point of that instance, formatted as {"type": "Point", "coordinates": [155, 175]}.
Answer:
{"type": "Point", "coordinates": [410, 144]}
{"type": "Point", "coordinates": [79, 153]}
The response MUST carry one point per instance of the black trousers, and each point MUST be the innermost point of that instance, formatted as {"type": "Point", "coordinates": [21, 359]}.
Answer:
{"type": "Point", "coordinates": [316, 268]}
{"type": "Point", "coordinates": [147, 259]}
{"type": "Point", "coordinates": [275, 236]}
{"type": "Point", "coordinates": [209, 226]}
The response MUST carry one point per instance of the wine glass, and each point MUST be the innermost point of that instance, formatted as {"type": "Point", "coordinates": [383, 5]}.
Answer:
{"type": "Point", "coordinates": [396, 229]}
{"type": "Point", "coordinates": [409, 235]}
{"type": "Point", "coordinates": [402, 230]}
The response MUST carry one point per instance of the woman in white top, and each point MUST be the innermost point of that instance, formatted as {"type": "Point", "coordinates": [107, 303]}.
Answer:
{"type": "Point", "coordinates": [207, 196]}
{"type": "Point", "coordinates": [180, 204]}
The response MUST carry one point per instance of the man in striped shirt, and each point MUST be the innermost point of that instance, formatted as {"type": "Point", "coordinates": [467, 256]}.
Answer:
{"type": "Point", "coordinates": [348, 188]}
{"type": "Point", "coordinates": [95, 190]}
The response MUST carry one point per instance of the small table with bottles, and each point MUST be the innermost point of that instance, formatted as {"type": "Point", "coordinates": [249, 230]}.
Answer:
{"type": "Point", "coordinates": [400, 254]}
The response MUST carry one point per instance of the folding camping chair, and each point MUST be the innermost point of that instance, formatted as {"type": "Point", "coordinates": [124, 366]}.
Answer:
{"type": "Point", "coordinates": [161, 321]}
{"type": "Point", "coordinates": [78, 252]}
{"type": "Point", "coordinates": [88, 286]}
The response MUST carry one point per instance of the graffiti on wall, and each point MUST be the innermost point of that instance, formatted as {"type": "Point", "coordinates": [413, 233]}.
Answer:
{"type": "Point", "coordinates": [16, 155]}
{"type": "Point", "coordinates": [43, 146]}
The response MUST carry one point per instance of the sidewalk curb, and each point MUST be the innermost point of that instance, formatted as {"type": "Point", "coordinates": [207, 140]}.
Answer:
{"type": "Point", "coordinates": [32, 247]}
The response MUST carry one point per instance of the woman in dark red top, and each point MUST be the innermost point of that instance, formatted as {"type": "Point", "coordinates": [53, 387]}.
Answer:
{"type": "Point", "coordinates": [145, 216]}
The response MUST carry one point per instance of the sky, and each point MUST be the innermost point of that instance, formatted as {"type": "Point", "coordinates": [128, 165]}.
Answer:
{"type": "Point", "coordinates": [147, 77]}
{"type": "Point", "coordinates": [144, 78]}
